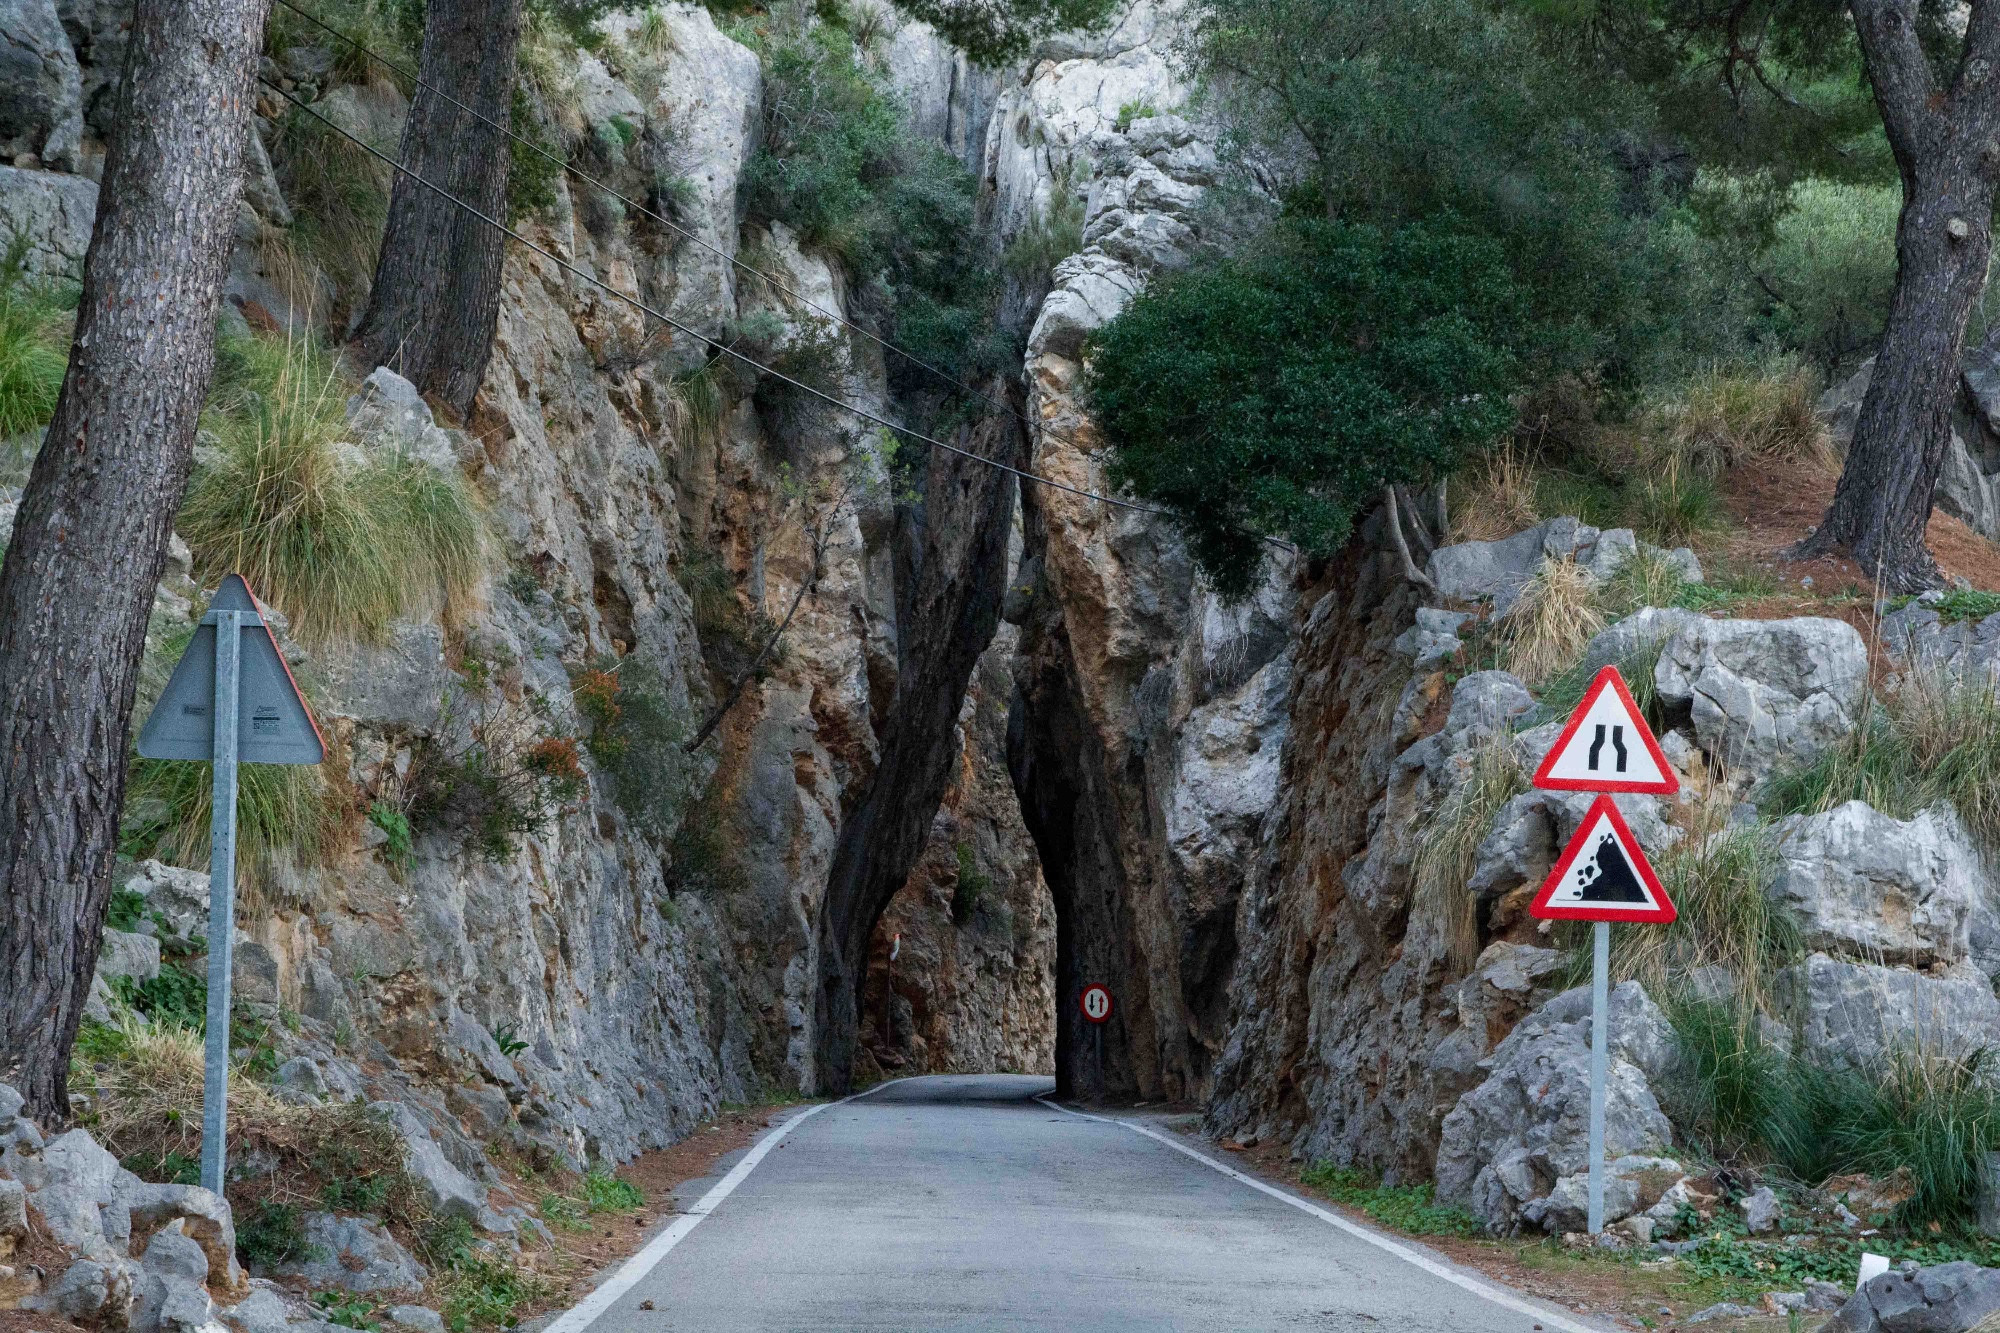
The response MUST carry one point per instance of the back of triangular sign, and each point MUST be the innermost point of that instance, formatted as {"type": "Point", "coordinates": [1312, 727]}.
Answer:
{"type": "Point", "coordinates": [273, 724]}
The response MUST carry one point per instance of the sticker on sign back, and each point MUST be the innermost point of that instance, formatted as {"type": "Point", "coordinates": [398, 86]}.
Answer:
{"type": "Point", "coordinates": [1603, 875]}
{"type": "Point", "coordinates": [1607, 746]}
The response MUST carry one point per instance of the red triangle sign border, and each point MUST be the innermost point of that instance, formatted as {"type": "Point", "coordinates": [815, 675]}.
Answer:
{"type": "Point", "coordinates": [1661, 914]}
{"type": "Point", "coordinates": [1607, 677]}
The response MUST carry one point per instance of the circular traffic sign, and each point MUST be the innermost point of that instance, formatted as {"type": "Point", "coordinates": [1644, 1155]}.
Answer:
{"type": "Point", "coordinates": [1095, 1003]}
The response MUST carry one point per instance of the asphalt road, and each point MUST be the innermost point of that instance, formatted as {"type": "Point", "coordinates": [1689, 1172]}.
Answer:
{"type": "Point", "coordinates": [963, 1203]}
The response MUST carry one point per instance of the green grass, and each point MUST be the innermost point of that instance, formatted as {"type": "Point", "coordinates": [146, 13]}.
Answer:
{"type": "Point", "coordinates": [289, 812]}
{"type": "Point", "coordinates": [478, 1286]}
{"type": "Point", "coordinates": [606, 1193]}
{"type": "Point", "coordinates": [1410, 1209]}
{"type": "Point", "coordinates": [34, 344]}
{"type": "Point", "coordinates": [342, 547]}
{"type": "Point", "coordinates": [1563, 693]}
{"type": "Point", "coordinates": [1966, 604]}
{"type": "Point", "coordinates": [1919, 1114]}
{"type": "Point", "coordinates": [1131, 111]}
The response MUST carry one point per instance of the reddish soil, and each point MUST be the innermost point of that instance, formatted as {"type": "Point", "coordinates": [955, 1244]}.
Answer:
{"type": "Point", "coordinates": [1777, 504]}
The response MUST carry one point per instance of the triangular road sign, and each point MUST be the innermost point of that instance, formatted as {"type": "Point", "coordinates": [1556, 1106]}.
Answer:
{"type": "Point", "coordinates": [1603, 875]}
{"type": "Point", "coordinates": [273, 724]}
{"type": "Point", "coordinates": [1607, 746]}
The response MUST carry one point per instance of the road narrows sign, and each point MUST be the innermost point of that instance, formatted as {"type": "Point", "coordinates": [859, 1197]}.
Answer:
{"type": "Point", "coordinates": [1095, 1003]}
{"type": "Point", "coordinates": [1603, 875]}
{"type": "Point", "coordinates": [1607, 746]}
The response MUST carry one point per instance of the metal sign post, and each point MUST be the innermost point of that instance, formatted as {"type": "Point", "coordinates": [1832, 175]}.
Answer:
{"type": "Point", "coordinates": [221, 897]}
{"type": "Point", "coordinates": [231, 700]}
{"type": "Point", "coordinates": [1602, 875]}
{"type": "Point", "coordinates": [1600, 1048]}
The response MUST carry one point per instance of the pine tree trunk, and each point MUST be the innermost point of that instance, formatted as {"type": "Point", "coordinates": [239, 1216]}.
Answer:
{"type": "Point", "coordinates": [91, 534]}
{"type": "Point", "coordinates": [1945, 147]}
{"type": "Point", "coordinates": [436, 297]}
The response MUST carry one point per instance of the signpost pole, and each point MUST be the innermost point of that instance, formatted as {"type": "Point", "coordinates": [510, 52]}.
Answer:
{"type": "Point", "coordinates": [221, 898]}
{"type": "Point", "coordinates": [1600, 986]}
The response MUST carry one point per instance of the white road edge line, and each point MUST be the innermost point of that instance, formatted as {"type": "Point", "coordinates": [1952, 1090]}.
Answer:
{"type": "Point", "coordinates": [1498, 1295]}
{"type": "Point", "coordinates": [634, 1270]}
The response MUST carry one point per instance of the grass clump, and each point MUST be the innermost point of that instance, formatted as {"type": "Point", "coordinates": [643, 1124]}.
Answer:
{"type": "Point", "coordinates": [1411, 1209]}
{"type": "Point", "coordinates": [1721, 417]}
{"type": "Point", "coordinates": [1934, 738]}
{"type": "Point", "coordinates": [34, 343]}
{"type": "Point", "coordinates": [1450, 847]}
{"type": "Point", "coordinates": [1555, 617]}
{"type": "Point", "coordinates": [1718, 876]}
{"type": "Point", "coordinates": [342, 544]}
{"type": "Point", "coordinates": [478, 1286]}
{"type": "Point", "coordinates": [1051, 236]}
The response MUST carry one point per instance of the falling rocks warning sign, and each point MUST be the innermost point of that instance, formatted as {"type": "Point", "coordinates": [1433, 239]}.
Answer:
{"type": "Point", "coordinates": [1603, 875]}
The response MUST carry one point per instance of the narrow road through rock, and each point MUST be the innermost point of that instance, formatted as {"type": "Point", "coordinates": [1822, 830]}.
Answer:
{"type": "Point", "coordinates": [965, 1203]}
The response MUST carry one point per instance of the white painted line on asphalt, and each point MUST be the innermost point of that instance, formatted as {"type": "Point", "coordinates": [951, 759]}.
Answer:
{"type": "Point", "coordinates": [634, 1270]}
{"type": "Point", "coordinates": [1498, 1295]}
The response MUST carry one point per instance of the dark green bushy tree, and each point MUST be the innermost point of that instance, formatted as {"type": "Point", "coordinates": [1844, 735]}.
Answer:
{"type": "Point", "coordinates": [1279, 392]}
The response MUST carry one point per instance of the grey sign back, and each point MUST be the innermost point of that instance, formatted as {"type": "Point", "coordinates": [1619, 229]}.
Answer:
{"type": "Point", "coordinates": [273, 725]}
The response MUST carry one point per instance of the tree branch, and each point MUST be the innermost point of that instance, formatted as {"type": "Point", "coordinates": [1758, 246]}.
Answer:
{"type": "Point", "coordinates": [1897, 71]}
{"type": "Point", "coordinates": [1410, 570]}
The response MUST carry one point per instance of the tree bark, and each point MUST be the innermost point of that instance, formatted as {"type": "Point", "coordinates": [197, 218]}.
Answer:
{"type": "Point", "coordinates": [1945, 147]}
{"type": "Point", "coordinates": [948, 610]}
{"type": "Point", "coordinates": [91, 535]}
{"type": "Point", "coordinates": [436, 295]}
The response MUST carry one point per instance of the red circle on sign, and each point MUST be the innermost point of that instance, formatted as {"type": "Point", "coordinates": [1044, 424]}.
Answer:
{"type": "Point", "coordinates": [1095, 1003]}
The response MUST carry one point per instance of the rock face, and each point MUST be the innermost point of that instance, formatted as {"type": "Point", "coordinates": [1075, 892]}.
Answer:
{"type": "Point", "coordinates": [569, 992]}
{"type": "Point", "coordinates": [1497, 571]}
{"type": "Point", "coordinates": [41, 89]}
{"type": "Point", "coordinates": [1912, 892]}
{"type": "Point", "coordinates": [1861, 1013]}
{"type": "Point", "coordinates": [1152, 717]}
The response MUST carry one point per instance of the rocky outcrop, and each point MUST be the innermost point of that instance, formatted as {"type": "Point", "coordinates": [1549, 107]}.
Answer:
{"type": "Point", "coordinates": [1151, 714]}
{"type": "Point", "coordinates": [41, 89]}
{"type": "Point", "coordinates": [1949, 1298]}
{"type": "Point", "coordinates": [1763, 693]}
{"type": "Point", "coordinates": [1515, 1150]}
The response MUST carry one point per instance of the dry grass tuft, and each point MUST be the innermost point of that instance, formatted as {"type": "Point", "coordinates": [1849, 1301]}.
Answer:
{"type": "Point", "coordinates": [1549, 627]}
{"type": "Point", "coordinates": [1496, 498]}
{"type": "Point", "coordinates": [1450, 846]}
{"type": "Point", "coordinates": [1722, 418]}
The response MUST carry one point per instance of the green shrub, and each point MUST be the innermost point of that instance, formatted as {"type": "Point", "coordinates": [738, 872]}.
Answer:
{"type": "Point", "coordinates": [270, 1233]}
{"type": "Point", "coordinates": [1131, 111]}
{"type": "Point", "coordinates": [1729, 1082]}
{"type": "Point", "coordinates": [339, 196]}
{"type": "Point", "coordinates": [606, 1193]}
{"type": "Point", "coordinates": [127, 910]}
{"type": "Point", "coordinates": [395, 826]}
{"type": "Point", "coordinates": [34, 344]}
{"type": "Point", "coordinates": [346, 1309]}
{"type": "Point", "coordinates": [1830, 264]}
{"type": "Point", "coordinates": [178, 996]}
{"type": "Point", "coordinates": [1051, 236]}
{"type": "Point", "coordinates": [479, 1287]}
{"type": "Point", "coordinates": [1279, 392]}
{"type": "Point", "coordinates": [1411, 1209]}
{"type": "Point", "coordinates": [494, 767]}
{"type": "Point", "coordinates": [637, 735]}
{"type": "Point", "coordinates": [704, 856]}
{"type": "Point", "coordinates": [342, 548]}
{"type": "Point", "coordinates": [969, 890]}
{"type": "Point", "coordinates": [839, 165]}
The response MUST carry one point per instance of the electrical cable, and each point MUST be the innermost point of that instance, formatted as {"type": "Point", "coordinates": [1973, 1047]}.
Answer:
{"type": "Point", "coordinates": [675, 324]}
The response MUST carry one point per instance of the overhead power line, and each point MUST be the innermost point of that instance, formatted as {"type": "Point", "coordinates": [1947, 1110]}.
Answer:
{"type": "Point", "coordinates": [726, 255]}
{"type": "Point", "coordinates": [672, 323]}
